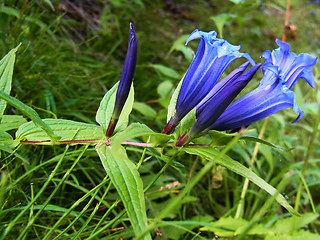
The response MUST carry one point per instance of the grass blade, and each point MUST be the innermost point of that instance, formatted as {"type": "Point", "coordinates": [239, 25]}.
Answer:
{"type": "Point", "coordinates": [30, 113]}
{"type": "Point", "coordinates": [6, 71]}
{"type": "Point", "coordinates": [210, 154]}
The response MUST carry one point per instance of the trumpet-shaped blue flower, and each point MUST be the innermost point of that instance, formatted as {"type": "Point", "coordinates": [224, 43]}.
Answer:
{"type": "Point", "coordinates": [212, 58]}
{"type": "Point", "coordinates": [125, 80]}
{"type": "Point", "coordinates": [218, 99]}
{"type": "Point", "coordinates": [281, 70]}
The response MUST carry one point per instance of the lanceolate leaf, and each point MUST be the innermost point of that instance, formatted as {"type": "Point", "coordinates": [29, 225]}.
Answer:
{"type": "Point", "coordinates": [125, 177]}
{"type": "Point", "coordinates": [265, 142]}
{"type": "Point", "coordinates": [9, 122]}
{"type": "Point", "coordinates": [105, 110]}
{"type": "Point", "coordinates": [66, 129]}
{"type": "Point", "coordinates": [6, 140]}
{"type": "Point", "coordinates": [133, 131]}
{"type": "Point", "coordinates": [29, 112]}
{"type": "Point", "coordinates": [6, 71]}
{"type": "Point", "coordinates": [211, 154]}
{"type": "Point", "coordinates": [220, 138]}
{"type": "Point", "coordinates": [173, 101]}
{"type": "Point", "coordinates": [169, 72]}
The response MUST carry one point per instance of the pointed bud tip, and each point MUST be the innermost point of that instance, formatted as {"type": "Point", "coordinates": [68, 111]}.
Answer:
{"type": "Point", "coordinates": [132, 34]}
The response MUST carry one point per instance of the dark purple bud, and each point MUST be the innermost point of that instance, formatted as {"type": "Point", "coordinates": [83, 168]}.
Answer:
{"type": "Point", "coordinates": [221, 95]}
{"type": "Point", "coordinates": [125, 80]}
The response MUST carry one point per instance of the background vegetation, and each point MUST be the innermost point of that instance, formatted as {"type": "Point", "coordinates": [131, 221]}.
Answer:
{"type": "Point", "coordinates": [73, 51]}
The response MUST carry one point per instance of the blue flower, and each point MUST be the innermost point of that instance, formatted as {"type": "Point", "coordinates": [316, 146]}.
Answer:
{"type": "Point", "coordinates": [281, 71]}
{"type": "Point", "coordinates": [218, 99]}
{"type": "Point", "coordinates": [125, 80]}
{"type": "Point", "coordinates": [212, 58]}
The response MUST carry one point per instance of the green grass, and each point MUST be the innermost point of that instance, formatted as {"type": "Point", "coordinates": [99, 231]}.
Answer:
{"type": "Point", "coordinates": [69, 59]}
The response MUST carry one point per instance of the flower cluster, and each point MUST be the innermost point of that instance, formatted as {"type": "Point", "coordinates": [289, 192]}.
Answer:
{"type": "Point", "coordinates": [212, 58]}
{"type": "Point", "coordinates": [281, 71]}
{"type": "Point", "coordinates": [213, 99]}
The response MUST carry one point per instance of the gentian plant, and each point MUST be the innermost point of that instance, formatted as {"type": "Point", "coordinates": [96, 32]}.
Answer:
{"type": "Point", "coordinates": [200, 89]}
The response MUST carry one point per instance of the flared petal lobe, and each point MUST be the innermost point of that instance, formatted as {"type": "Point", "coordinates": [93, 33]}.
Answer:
{"type": "Point", "coordinates": [212, 58]}
{"type": "Point", "coordinates": [291, 66]}
{"type": "Point", "coordinates": [281, 70]}
{"type": "Point", "coordinates": [125, 80]}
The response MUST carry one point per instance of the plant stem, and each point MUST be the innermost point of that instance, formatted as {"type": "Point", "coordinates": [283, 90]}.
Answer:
{"type": "Point", "coordinates": [286, 22]}
{"type": "Point", "coordinates": [107, 142]}
{"type": "Point", "coordinates": [240, 207]}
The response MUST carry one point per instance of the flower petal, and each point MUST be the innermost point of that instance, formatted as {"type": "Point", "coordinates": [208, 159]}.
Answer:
{"type": "Point", "coordinates": [212, 58]}
{"type": "Point", "coordinates": [256, 105]}
{"type": "Point", "coordinates": [223, 93]}
{"type": "Point", "coordinates": [291, 66]}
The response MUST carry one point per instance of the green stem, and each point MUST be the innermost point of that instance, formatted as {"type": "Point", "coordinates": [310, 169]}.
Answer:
{"type": "Point", "coordinates": [168, 163]}
{"type": "Point", "coordinates": [240, 208]}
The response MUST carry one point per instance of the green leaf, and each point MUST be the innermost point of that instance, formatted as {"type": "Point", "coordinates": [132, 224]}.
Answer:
{"type": "Point", "coordinates": [265, 142]}
{"type": "Point", "coordinates": [66, 129]}
{"type": "Point", "coordinates": [6, 71]}
{"type": "Point", "coordinates": [159, 139]}
{"type": "Point", "coordinates": [179, 41]}
{"type": "Point", "coordinates": [284, 225]}
{"type": "Point", "coordinates": [187, 122]}
{"type": "Point", "coordinates": [230, 227]}
{"type": "Point", "coordinates": [50, 4]}
{"type": "Point", "coordinates": [144, 109]}
{"type": "Point", "coordinates": [133, 131]}
{"type": "Point", "coordinates": [6, 141]}
{"type": "Point", "coordinates": [173, 101]}
{"type": "Point", "coordinates": [9, 122]}
{"type": "Point", "coordinates": [105, 110]}
{"type": "Point", "coordinates": [166, 71]}
{"type": "Point", "coordinates": [165, 88]}
{"type": "Point", "coordinates": [125, 177]}
{"type": "Point", "coordinates": [220, 138]}
{"type": "Point", "coordinates": [187, 52]}
{"type": "Point", "coordinates": [29, 112]}
{"type": "Point", "coordinates": [220, 21]}
{"type": "Point", "coordinates": [226, 161]}
{"type": "Point", "coordinates": [140, 130]}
